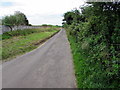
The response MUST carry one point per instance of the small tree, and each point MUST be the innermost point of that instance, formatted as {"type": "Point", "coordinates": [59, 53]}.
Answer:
{"type": "Point", "coordinates": [17, 19]}
{"type": "Point", "coordinates": [21, 18]}
{"type": "Point", "coordinates": [9, 21]}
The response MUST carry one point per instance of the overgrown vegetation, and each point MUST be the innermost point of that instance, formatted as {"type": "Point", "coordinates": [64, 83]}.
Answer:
{"type": "Point", "coordinates": [21, 41]}
{"type": "Point", "coordinates": [94, 37]}
{"type": "Point", "coordinates": [25, 32]}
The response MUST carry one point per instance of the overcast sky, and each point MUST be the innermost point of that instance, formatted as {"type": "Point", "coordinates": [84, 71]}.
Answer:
{"type": "Point", "coordinates": [40, 11]}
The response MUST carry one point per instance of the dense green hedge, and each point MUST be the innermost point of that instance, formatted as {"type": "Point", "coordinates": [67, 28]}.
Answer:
{"type": "Point", "coordinates": [95, 43]}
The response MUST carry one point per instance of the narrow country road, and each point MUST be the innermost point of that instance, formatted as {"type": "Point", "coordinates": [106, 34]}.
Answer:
{"type": "Point", "coordinates": [48, 66]}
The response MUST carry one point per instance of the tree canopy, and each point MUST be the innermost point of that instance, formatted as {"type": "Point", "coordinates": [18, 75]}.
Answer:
{"type": "Point", "coordinates": [17, 19]}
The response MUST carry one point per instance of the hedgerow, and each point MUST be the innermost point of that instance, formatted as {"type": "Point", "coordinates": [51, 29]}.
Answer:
{"type": "Point", "coordinates": [95, 43]}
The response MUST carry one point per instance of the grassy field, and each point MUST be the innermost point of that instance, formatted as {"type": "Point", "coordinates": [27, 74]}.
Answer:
{"type": "Point", "coordinates": [19, 42]}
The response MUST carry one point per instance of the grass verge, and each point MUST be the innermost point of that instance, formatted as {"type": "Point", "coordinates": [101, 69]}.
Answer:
{"type": "Point", "coordinates": [24, 41]}
{"type": "Point", "coordinates": [76, 60]}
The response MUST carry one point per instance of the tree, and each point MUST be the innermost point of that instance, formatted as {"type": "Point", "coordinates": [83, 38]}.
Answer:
{"type": "Point", "coordinates": [73, 16]}
{"type": "Point", "coordinates": [9, 21]}
{"type": "Point", "coordinates": [17, 19]}
{"type": "Point", "coordinates": [21, 18]}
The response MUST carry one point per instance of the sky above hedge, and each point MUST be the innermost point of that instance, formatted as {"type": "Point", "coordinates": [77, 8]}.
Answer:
{"type": "Point", "coordinates": [40, 11]}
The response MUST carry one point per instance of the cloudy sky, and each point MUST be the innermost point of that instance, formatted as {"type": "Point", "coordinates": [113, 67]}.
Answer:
{"type": "Point", "coordinates": [40, 11]}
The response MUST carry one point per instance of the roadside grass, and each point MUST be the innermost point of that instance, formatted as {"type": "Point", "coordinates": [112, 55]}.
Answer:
{"type": "Point", "coordinates": [79, 64]}
{"type": "Point", "coordinates": [20, 42]}
{"type": "Point", "coordinates": [8, 35]}
{"type": "Point", "coordinates": [76, 57]}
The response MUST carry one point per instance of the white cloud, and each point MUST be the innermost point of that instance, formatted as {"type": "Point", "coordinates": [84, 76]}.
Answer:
{"type": "Point", "coordinates": [41, 11]}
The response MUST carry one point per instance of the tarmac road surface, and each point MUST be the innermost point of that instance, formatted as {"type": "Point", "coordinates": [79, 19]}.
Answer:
{"type": "Point", "coordinates": [48, 66]}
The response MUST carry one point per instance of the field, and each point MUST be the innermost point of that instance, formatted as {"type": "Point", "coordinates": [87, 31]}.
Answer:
{"type": "Point", "coordinates": [19, 42]}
